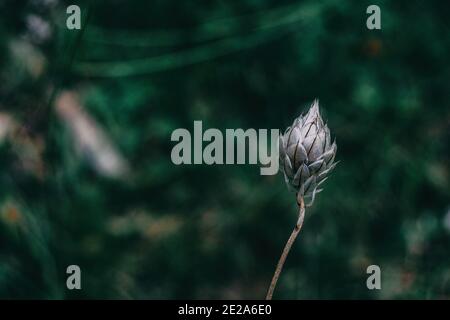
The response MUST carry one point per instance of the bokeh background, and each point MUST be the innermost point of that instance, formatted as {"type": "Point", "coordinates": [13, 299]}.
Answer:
{"type": "Point", "coordinates": [85, 171]}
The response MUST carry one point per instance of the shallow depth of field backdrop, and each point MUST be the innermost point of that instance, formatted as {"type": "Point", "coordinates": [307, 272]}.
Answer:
{"type": "Point", "coordinates": [85, 170]}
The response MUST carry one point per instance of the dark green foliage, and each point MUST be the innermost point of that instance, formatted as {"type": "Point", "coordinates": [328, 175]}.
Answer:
{"type": "Point", "coordinates": [144, 68]}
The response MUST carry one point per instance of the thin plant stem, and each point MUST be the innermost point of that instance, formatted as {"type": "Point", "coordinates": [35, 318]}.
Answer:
{"type": "Point", "coordinates": [287, 248]}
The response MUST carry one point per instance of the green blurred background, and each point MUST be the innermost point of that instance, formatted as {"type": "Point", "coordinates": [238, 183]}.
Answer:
{"type": "Point", "coordinates": [85, 170]}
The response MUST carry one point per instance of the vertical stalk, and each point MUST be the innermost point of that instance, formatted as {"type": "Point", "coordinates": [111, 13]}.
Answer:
{"type": "Point", "coordinates": [287, 248]}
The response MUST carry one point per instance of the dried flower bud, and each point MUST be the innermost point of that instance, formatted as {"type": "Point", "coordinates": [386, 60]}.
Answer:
{"type": "Point", "coordinates": [307, 153]}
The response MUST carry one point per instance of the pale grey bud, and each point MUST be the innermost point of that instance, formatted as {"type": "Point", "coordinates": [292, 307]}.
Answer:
{"type": "Point", "coordinates": [307, 153]}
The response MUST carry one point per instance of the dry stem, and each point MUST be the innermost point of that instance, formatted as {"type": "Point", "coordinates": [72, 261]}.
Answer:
{"type": "Point", "coordinates": [287, 248]}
